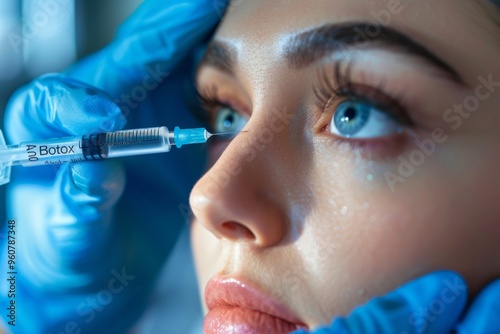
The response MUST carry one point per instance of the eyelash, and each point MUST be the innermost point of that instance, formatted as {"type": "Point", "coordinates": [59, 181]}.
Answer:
{"type": "Point", "coordinates": [208, 98]}
{"type": "Point", "coordinates": [339, 85]}
{"type": "Point", "coordinates": [209, 102]}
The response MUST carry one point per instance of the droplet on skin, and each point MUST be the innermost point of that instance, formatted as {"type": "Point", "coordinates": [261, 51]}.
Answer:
{"type": "Point", "coordinates": [343, 211]}
{"type": "Point", "coordinates": [369, 177]}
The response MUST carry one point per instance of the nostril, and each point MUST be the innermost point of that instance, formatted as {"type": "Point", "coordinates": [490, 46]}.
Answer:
{"type": "Point", "coordinates": [237, 230]}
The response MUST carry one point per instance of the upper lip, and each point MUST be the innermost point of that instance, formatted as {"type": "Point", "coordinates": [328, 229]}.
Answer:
{"type": "Point", "coordinates": [229, 291]}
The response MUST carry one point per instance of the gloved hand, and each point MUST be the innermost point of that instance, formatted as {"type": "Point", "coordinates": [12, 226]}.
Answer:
{"type": "Point", "coordinates": [83, 264]}
{"type": "Point", "coordinates": [431, 304]}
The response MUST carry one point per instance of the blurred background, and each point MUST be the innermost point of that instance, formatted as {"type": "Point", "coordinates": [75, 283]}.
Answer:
{"type": "Point", "coordinates": [42, 36]}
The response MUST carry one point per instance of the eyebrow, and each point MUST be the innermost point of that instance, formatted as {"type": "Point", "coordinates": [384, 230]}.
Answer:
{"type": "Point", "coordinates": [308, 47]}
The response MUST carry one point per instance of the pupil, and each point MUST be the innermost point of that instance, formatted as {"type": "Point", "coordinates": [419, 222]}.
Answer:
{"type": "Point", "coordinates": [228, 121]}
{"type": "Point", "coordinates": [349, 114]}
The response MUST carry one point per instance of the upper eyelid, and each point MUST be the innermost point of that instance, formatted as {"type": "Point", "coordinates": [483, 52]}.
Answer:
{"type": "Point", "coordinates": [209, 91]}
{"type": "Point", "coordinates": [340, 83]}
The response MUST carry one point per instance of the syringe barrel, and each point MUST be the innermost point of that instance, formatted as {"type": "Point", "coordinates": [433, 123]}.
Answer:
{"type": "Point", "coordinates": [93, 147]}
{"type": "Point", "coordinates": [132, 142]}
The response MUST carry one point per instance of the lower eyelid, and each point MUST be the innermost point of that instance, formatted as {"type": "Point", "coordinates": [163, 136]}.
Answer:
{"type": "Point", "coordinates": [380, 148]}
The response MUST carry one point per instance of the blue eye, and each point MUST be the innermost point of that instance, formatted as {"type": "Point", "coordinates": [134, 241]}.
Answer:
{"type": "Point", "coordinates": [359, 119]}
{"type": "Point", "coordinates": [229, 120]}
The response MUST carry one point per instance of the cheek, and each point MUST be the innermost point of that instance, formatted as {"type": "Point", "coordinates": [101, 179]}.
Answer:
{"type": "Point", "coordinates": [363, 240]}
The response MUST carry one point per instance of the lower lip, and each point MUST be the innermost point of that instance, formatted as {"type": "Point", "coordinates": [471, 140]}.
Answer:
{"type": "Point", "coordinates": [233, 319]}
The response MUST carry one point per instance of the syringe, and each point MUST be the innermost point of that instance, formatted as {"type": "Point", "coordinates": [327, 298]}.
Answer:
{"type": "Point", "coordinates": [98, 146]}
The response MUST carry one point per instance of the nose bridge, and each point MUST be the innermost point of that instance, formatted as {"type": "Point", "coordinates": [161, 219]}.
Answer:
{"type": "Point", "coordinates": [246, 161]}
{"type": "Point", "coordinates": [241, 192]}
{"type": "Point", "coordinates": [255, 152]}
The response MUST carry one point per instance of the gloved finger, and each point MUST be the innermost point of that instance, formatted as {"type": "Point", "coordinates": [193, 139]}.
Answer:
{"type": "Point", "coordinates": [150, 44]}
{"type": "Point", "coordinates": [79, 215]}
{"type": "Point", "coordinates": [483, 316]}
{"type": "Point", "coordinates": [430, 304]}
{"type": "Point", "coordinates": [55, 105]}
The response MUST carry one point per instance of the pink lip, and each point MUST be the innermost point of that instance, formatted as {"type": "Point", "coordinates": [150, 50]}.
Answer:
{"type": "Point", "coordinates": [236, 307]}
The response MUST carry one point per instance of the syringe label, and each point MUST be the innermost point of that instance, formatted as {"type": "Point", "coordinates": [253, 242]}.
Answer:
{"type": "Point", "coordinates": [35, 152]}
{"type": "Point", "coordinates": [51, 153]}
{"type": "Point", "coordinates": [57, 150]}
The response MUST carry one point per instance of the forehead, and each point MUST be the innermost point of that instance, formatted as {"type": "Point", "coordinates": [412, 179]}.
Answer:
{"type": "Point", "coordinates": [268, 22]}
{"type": "Point", "coordinates": [289, 15]}
{"type": "Point", "coordinates": [261, 28]}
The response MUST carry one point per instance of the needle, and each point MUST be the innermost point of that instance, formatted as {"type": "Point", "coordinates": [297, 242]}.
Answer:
{"type": "Point", "coordinates": [225, 133]}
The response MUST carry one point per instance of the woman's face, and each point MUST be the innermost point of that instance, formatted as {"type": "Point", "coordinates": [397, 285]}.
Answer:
{"type": "Point", "coordinates": [369, 155]}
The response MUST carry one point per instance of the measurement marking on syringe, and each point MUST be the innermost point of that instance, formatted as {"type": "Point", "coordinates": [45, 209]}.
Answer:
{"type": "Point", "coordinates": [131, 137]}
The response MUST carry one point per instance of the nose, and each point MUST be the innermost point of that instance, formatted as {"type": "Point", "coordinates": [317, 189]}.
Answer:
{"type": "Point", "coordinates": [239, 197]}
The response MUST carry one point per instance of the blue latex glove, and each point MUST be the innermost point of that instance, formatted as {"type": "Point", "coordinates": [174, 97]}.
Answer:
{"type": "Point", "coordinates": [431, 304]}
{"type": "Point", "coordinates": [483, 316]}
{"type": "Point", "coordinates": [86, 259]}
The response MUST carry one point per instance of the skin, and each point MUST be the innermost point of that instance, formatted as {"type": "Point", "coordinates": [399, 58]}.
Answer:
{"type": "Point", "coordinates": [310, 217]}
